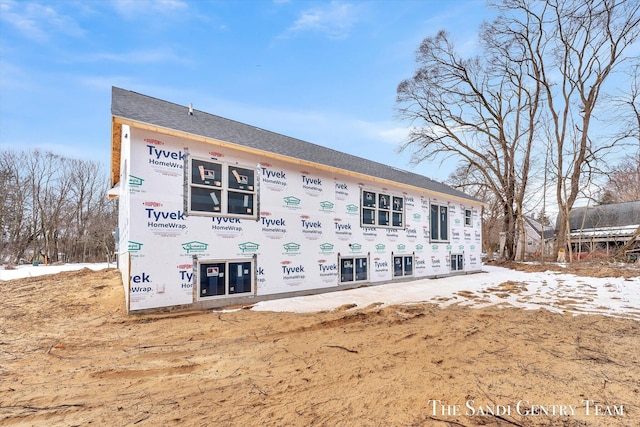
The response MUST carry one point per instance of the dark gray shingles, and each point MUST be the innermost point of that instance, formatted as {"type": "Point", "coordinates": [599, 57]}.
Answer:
{"type": "Point", "coordinates": [612, 215]}
{"type": "Point", "coordinates": [146, 109]}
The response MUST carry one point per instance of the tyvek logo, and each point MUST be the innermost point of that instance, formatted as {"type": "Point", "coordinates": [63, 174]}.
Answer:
{"type": "Point", "coordinates": [167, 158]}
{"type": "Point", "coordinates": [419, 248]}
{"type": "Point", "coordinates": [248, 247]}
{"type": "Point", "coordinates": [401, 247]}
{"type": "Point", "coordinates": [274, 228]}
{"type": "Point", "coordinates": [141, 281]}
{"type": "Point", "coordinates": [165, 220]}
{"type": "Point", "coordinates": [342, 191]}
{"type": "Point", "coordinates": [380, 247]}
{"type": "Point", "coordinates": [310, 229]}
{"type": "Point", "coordinates": [273, 179]}
{"type": "Point", "coordinates": [311, 186]}
{"type": "Point", "coordinates": [195, 246]}
{"type": "Point", "coordinates": [328, 271]}
{"type": "Point", "coordinates": [417, 217]}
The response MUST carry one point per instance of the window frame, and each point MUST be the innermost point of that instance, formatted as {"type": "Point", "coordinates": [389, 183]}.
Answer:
{"type": "Point", "coordinates": [438, 224]}
{"type": "Point", "coordinates": [458, 258]}
{"type": "Point", "coordinates": [353, 259]}
{"type": "Point", "coordinates": [222, 191]}
{"type": "Point", "coordinates": [468, 217]}
{"type": "Point", "coordinates": [382, 210]}
{"type": "Point", "coordinates": [228, 292]}
{"type": "Point", "coordinates": [403, 267]}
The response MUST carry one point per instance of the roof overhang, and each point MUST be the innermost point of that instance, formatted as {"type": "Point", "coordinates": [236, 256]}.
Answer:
{"type": "Point", "coordinates": [116, 146]}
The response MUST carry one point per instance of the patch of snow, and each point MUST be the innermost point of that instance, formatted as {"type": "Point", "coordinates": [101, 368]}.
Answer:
{"type": "Point", "coordinates": [29, 270]}
{"type": "Point", "coordinates": [554, 291]}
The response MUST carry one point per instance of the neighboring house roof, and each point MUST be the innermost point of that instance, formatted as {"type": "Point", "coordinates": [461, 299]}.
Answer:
{"type": "Point", "coordinates": [136, 107]}
{"type": "Point", "coordinates": [616, 220]}
{"type": "Point", "coordinates": [600, 216]}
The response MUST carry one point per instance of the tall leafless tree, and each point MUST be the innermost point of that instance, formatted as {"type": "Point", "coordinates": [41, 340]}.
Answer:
{"type": "Point", "coordinates": [575, 45]}
{"type": "Point", "coordinates": [52, 206]}
{"type": "Point", "coordinates": [542, 63]}
{"type": "Point", "coordinates": [482, 110]}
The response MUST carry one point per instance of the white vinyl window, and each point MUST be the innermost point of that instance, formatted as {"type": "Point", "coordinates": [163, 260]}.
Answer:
{"type": "Point", "coordinates": [468, 222]}
{"type": "Point", "coordinates": [221, 189]}
{"type": "Point", "coordinates": [457, 262]}
{"type": "Point", "coordinates": [402, 265]}
{"type": "Point", "coordinates": [353, 269]}
{"type": "Point", "coordinates": [382, 210]}
{"type": "Point", "coordinates": [439, 215]}
{"type": "Point", "coordinates": [225, 278]}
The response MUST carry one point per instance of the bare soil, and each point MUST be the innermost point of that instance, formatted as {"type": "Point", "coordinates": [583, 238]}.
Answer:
{"type": "Point", "coordinates": [69, 355]}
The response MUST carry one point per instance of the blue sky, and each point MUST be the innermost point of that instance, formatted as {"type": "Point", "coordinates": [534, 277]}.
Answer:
{"type": "Point", "coordinates": [322, 71]}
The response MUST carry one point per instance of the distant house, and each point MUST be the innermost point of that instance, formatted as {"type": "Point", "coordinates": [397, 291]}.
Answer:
{"type": "Point", "coordinates": [604, 228]}
{"type": "Point", "coordinates": [533, 240]}
{"type": "Point", "coordinates": [215, 212]}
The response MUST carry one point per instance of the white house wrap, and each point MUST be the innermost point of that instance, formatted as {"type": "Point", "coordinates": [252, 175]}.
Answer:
{"type": "Point", "coordinates": [214, 212]}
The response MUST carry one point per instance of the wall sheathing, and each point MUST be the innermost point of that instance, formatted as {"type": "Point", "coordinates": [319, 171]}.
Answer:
{"type": "Point", "coordinates": [307, 218]}
{"type": "Point", "coordinates": [124, 211]}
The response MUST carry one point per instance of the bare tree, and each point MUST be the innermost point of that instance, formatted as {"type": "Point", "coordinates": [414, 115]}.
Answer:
{"type": "Point", "coordinates": [575, 46]}
{"type": "Point", "coordinates": [543, 63]}
{"type": "Point", "coordinates": [52, 206]}
{"type": "Point", "coordinates": [482, 110]}
{"type": "Point", "coordinates": [623, 183]}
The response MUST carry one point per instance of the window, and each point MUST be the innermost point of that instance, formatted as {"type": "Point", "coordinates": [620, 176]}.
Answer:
{"type": "Point", "coordinates": [217, 188]}
{"type": "Point", "coordinates": [457, 262]}
{"type": "Point", "coordinates": [382, 210]}
{"type": "Point", "coordinates": [439, 223]}
{"type": "Point", "coordinates": [353, 269]}
{"type": "Point", "coordinates": [402, 265]}
{"type": "Point", "coordinates": [467, 218]}
{"type": "Point", "coordinates": [224, 278]}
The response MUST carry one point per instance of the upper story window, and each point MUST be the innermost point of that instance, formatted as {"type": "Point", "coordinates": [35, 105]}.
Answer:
{"type": "Point", "coordinates": [467, 218]}
{"type": "Point", "coordinates": [218, 188]}
{"type": "Point", "coordinates": [439, 215]}
{"type": "Point", "coordinates": [382, 210]}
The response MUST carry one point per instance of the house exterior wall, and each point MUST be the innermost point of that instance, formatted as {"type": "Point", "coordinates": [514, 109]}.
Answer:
{"type": "Point", "coordinates": [308, 221]}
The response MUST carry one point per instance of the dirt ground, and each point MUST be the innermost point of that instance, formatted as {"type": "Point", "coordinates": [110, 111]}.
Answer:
{"type": "Point", "coordinates": [69, 355]}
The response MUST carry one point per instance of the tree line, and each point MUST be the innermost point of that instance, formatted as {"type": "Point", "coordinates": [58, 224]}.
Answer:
{"type": "Point", "coordinates": [536, 109]}
{"type": "Point", "coordinates": [54, 209]}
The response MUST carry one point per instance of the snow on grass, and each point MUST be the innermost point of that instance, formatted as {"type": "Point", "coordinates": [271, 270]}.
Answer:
{"type": "Point", "coordinates": [29, 270]}
{"type": "Point", "coordinates": [497, 286]}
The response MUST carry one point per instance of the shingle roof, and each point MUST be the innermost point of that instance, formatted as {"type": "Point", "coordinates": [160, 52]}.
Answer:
{"type": "Point", "coordinates": [612, 215]}
{"type": "Point", "coordinates": [142, 108]}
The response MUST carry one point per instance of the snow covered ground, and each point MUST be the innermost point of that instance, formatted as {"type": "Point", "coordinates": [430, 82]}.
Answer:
{"type": "Point", "coordinates": [29, 270]}
{"type": "Point", "coordinates": [612, 296]}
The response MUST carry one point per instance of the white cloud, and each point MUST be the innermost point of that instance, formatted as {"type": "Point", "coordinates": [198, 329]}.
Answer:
{"type": "Point", "coordinates": [137, 57]}
{"type": "Point", "coordinates": [131, 8]}
{"type": "Point", "coordinates": [334, 20]}
{"type": "Point", "coordinates": [36, 21]}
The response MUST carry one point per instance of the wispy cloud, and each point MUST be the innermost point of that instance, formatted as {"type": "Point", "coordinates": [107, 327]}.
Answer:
{"type": "Point", "coordinates": [333, 20]}
{"type": "Point", "coordinates": [131, 8]}
{"type": "Point", "coordinates": [36, 21]}
{"type": "Point", "coordinates": [146, 56]}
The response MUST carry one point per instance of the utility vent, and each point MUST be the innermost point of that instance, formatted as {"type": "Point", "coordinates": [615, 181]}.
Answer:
{"type": "Point", "coordinates": [191, 109]}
